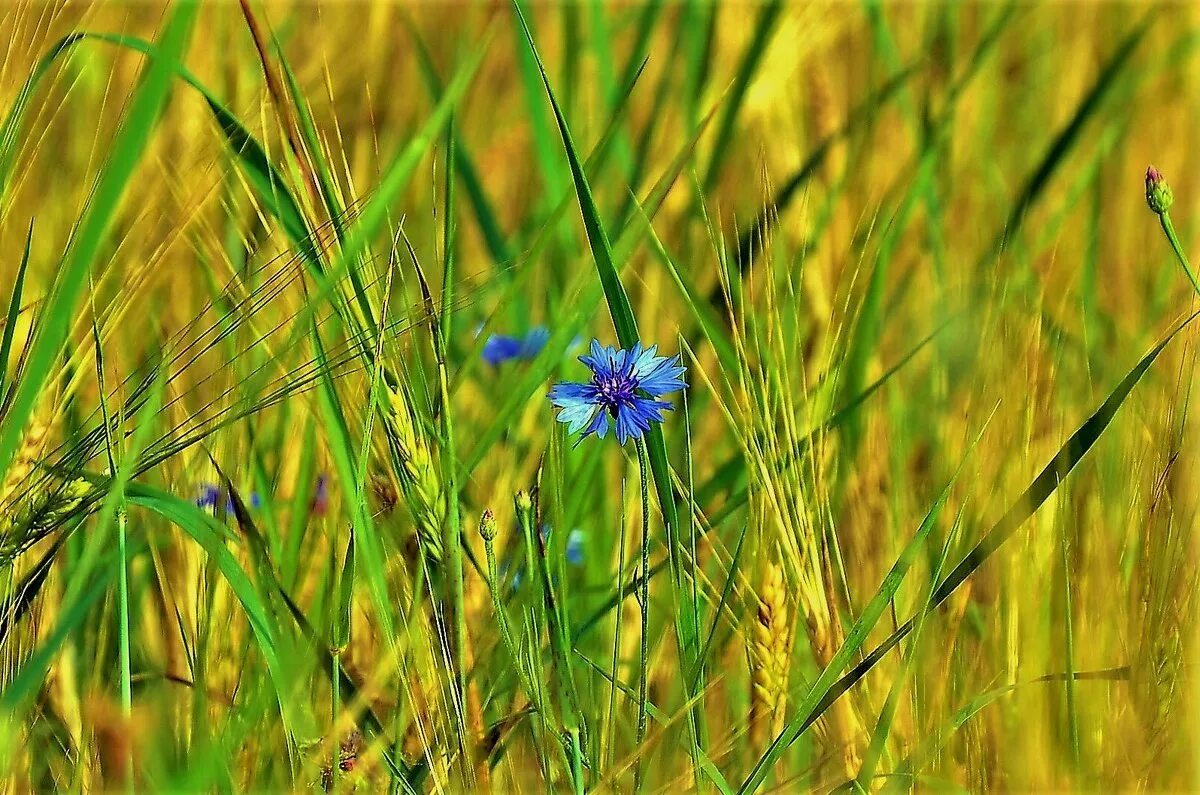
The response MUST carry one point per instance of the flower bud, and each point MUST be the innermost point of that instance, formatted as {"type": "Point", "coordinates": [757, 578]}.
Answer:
{"type": "Point", "coordinates": [487, 525]}
{"type": "Point", "coordinates": [1158, 192]}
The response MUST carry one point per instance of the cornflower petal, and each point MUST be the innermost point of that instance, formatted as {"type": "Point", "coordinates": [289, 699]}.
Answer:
{"type": "Point", "coordinates": [599, 425]}
{"type": "Point", "coordinates": [568, 394]}
{"type": "Point", "coordinates": [664, 378]}
{"type": "Point", "coordinates": [578, 416]}
{"type": "Point", "coordinates": [210, 495]}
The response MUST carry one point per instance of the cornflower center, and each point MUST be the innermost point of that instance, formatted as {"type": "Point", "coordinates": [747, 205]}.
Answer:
{"type": "Point", "coordinates": [615, 390]}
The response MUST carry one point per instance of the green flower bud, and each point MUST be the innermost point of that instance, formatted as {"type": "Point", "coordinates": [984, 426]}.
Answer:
{"type": "Point", "coordinates": [1158, 192]}
{"type": "Point", "coordinates": [487, 525]}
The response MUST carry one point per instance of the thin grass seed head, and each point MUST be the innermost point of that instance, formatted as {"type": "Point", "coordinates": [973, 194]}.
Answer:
{"type": "Point", "coordinates": [1158, 193]}
{"type": "Point", "coordinates": [69, 498]}
{"type": "Point", "coordinates": [625, 388]}
{"type": "Point", "coordinates": [45, 508]}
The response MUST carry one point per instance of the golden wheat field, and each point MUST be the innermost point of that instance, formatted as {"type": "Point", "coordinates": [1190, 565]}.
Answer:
{"type": "Point", "coordinates": [589, 397]}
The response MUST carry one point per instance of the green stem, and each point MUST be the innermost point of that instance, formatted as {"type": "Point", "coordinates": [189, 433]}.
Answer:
{"type": "Point", "coordinates": [1069, 637]}
{"type": "Point", "coordinates": [560, 646]}
{"type": "Point", "coordinates": [506, 632]}
{"type": "Point", "coordinates": [452, 542]}
{"type": "Point", "coordinates": [538, 603]}
{"type": "Point", "coordinates": [337, 639]}
{"type": "Point", "coordinates": [620, 620]}
{"type": "Point", "coordinates": [644, 606]}
{"type": "Point", "coordinates": [123, 638]}
{"type": "Point", "coordinates": [576, 762]}
{"type": "Point", "coordinates": [1172, 238]}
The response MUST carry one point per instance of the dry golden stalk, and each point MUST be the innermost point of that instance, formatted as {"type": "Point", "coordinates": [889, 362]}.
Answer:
{"type": "Point", "coordinates": [418, 475]}
{"type": "Point", "coordinates": [770, 649]}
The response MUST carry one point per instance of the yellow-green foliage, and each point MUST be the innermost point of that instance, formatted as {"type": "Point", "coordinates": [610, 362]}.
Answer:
{"type": "Point", "coordinates": [876, 233]}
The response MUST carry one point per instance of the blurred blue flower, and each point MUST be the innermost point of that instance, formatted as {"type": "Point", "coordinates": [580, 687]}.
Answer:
{"type": "Point", "coordinates": [575, 547]}
{"type": "Point", "coordinates": [624, 386]}
{"type": "Point", "coordinates": [211, 496]}
{"type": "Point", "coordinates": [574, 553]}
{"type": "Point", "coordinates": [499, 348]}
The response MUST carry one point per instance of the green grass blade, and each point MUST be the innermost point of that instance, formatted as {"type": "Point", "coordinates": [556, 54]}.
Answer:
{"type": "Point", "coordinates": [121, 159]}
{"type": "Point", "coordinates": [764, 29]}
{"type": "Point", "coordinates": [312, 143]}
{"type": "Point", "coordinates": [16, 605]}
{"type": "Point", "coordinates": [887, 714]}
{"type": "Point", "coordinates": [1062, 143]}
{"type": "Point", "coordinates": [269, 185]}
{"type": "Point", "coordinates": [27, 679]}
{"type": "Point", "coordinates": [481, 205]}
{"type": "Point", "coordinates": [10, 131]}
{"type": "Point", "coordinates": [14, 310]}
{"type": "Point", "coordinates": [211, 537]}
{"type": "Point", "coordinates": [400, 170]}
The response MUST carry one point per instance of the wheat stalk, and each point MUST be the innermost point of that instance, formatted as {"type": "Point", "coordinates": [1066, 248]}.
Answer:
{"type": "Point", "coordinates": [418, 474]}
{"type": "Point", "coordinates": [770, 648]}
{"type": "Point", "coordinates": [24, 461]}
{"type": "Point", "coordinates": [33, 500]}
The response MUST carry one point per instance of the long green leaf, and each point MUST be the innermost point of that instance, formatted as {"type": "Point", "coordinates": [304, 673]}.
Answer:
{"type": "Point", "coordinates": [764, 29]}
{"type": "Point", "coordinates": [1062, 143]}
{"type": "Point", "coordinates": [122, 158]}
{"type": "Point", "coordinates": [14, 310]}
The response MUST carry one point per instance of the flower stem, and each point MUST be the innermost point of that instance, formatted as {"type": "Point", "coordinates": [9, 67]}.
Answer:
{"type": "Point", "coordinates": [1172, 238]}
{"type": "Point", "coordinates": [123, 635]}
{"type": "Point", "coordinates": [506, 636]}
{"type": "Point", "coordinates": [644, 605]}
{"type": "Point", "coordinates": [620, 620]}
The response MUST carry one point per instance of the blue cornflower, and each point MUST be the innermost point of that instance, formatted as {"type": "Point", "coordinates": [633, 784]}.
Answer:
{"type": "Point", "coordinates": [499, 348]}
{"type": "Point", "coordinates": [625, 386]}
